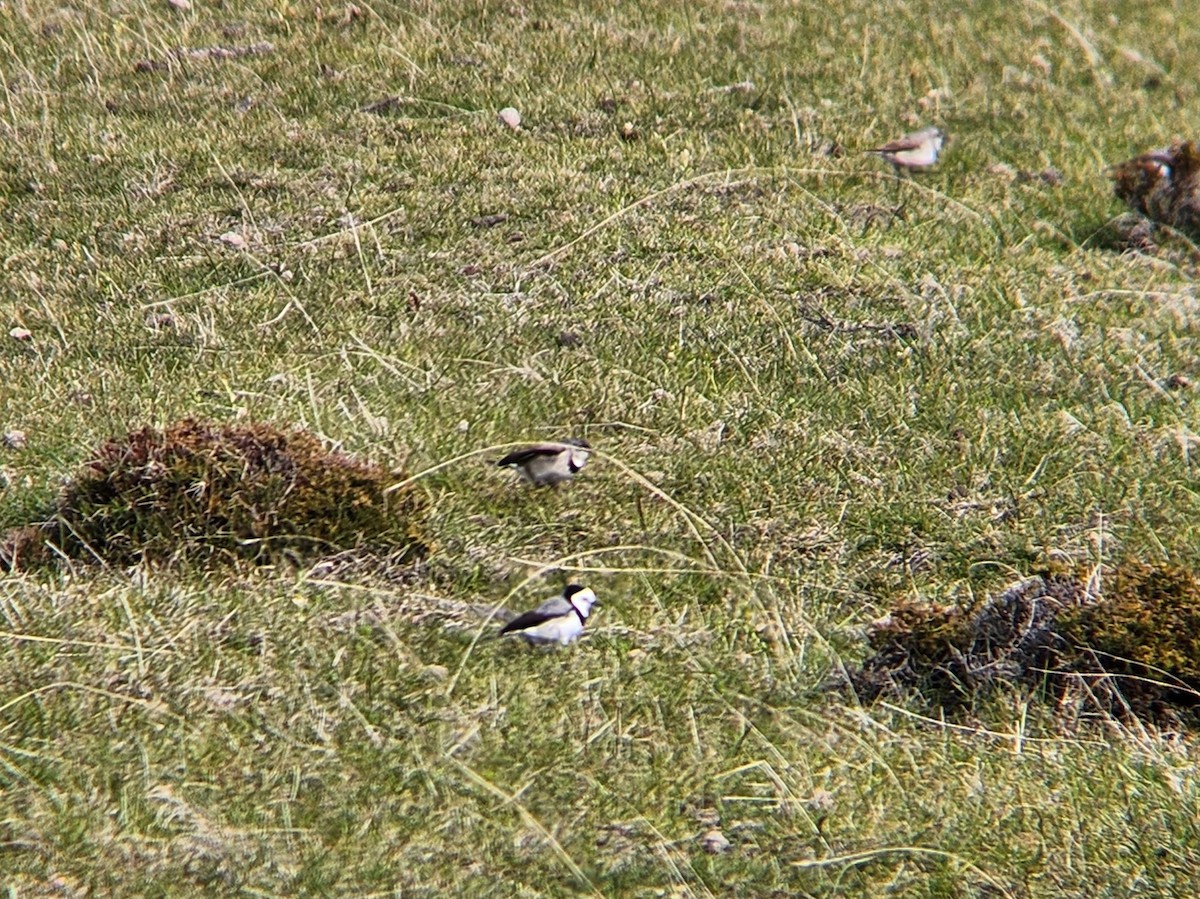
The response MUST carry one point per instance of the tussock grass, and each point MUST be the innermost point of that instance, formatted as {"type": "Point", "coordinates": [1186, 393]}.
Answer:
{"type": "Point", "coordinates": [812, 389]}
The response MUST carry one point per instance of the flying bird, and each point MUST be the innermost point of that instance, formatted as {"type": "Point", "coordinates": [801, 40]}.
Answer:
{"type": "Point", "coordinates": [558, 620]}
{"type": "Point", "coordinates": [545, 464]}
{"type": "Point", "coordinates": [918, 150]}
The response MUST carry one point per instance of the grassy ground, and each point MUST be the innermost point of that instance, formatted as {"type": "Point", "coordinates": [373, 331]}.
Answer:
{"type": "Point", "coordinates": [805, 405]}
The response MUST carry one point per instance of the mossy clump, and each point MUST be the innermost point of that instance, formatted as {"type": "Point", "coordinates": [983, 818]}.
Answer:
{"type": "Point", "coordinates": [1163, 185]}
{"type": "Point", "coordinates": [24, 547]}
{"type": "Point", "coordinates": [203, 490]}
{"type": "Point", "coordinates": [1147, 623]}
{"type": "Point", "coordinates": [952, 654]}
{"type": "Point", "coordinates": [1130, 648]}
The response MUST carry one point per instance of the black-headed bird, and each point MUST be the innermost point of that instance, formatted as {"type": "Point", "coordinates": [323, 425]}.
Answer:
{"type": "Point", "coordinates": [547, 464]}
{"type": "Point", "coordinates": [558, 620]}
{"type": "Point", "coordinates": [918, 150]}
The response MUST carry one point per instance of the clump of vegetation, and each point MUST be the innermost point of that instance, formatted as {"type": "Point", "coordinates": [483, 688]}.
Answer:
{"type": "Point", "coordinates": [1145, 632]}
{"type": "Point", "coordinates": [952, 654]}
{"type": "Point", "coordinates": [1131, 649]}
{"type": "Point", "coordinates": [24, 547]}
{"type": "Point", "coordinates": [203, 490]}
{"type": "Point", "coordinates": [1163, 185]}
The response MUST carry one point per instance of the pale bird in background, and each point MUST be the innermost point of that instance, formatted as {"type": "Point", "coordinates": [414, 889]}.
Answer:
{"type": "Point", "coordinates": [558, 620]}
{"type": "Point", "coordinates": [918, 150]}
{"type": "Point", "coordinates": [547, 464]}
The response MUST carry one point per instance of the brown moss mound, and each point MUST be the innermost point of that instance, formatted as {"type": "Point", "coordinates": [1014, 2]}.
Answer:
{"type": "Point", "coordinates": [1146, 625]}
{"type": "Point", "coordinates": [1163, 185]}
{"type": "Point", "coordinates": [23, 548]}
{"type": "Point", "coordinates": [1132, 650]}
{"type": "Point", "coordinates": [203, 490]}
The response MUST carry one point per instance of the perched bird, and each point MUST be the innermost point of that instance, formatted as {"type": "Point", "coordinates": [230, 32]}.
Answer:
{"type": "Point", "coordinates": [918, 150]}
{"type": "Point", "coordinates": [558, 620]}
{"type": "Point", "coordinates": [549, 463]}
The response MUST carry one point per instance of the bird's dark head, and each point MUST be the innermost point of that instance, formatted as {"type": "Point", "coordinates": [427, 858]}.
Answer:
{"type": "Point", "coordinates": [581, 597]}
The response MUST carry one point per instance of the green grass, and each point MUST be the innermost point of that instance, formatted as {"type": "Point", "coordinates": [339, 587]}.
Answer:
{"type": "Point", "coordinates": [803, 408]}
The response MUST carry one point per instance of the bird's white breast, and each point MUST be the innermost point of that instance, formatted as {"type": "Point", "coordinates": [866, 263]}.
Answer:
{"type": "Point", "coordinates": [562, 630]}
{"type": "Point", "coordinates": [925, 153]}
{"type": "Point", "coordinates": [548, 469]}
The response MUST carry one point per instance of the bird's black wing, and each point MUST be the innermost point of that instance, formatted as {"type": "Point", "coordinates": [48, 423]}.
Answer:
{"type": "Point", "coordinates": [527, 455]}
{"type": "Point", "coordinates": [897, 146]}
{"type": "Point", "coordinates": [553, 608]}
{"type": "Point", "coordinates": [525, 621]}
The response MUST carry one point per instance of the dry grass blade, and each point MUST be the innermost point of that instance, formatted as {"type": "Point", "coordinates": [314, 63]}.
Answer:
{"type": "Point", "coordinates": [815, 393]}
{"type": "Point", "coordinates": [529, 820]}
{"type": "Point", "coordinates": [853, 859]}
